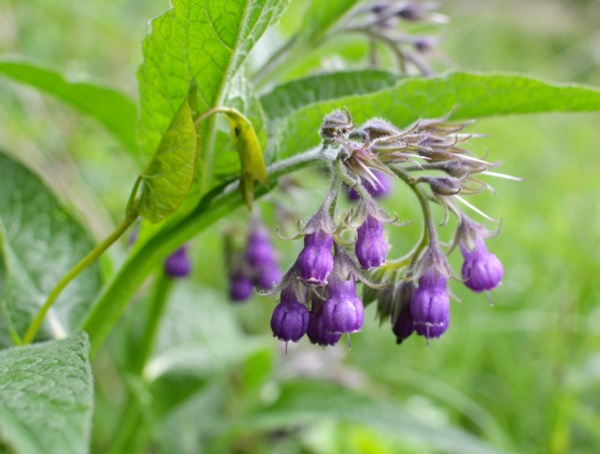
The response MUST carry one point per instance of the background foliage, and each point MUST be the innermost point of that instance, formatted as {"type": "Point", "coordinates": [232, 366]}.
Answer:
{"type": "Point", "coordinates": [523, 376]}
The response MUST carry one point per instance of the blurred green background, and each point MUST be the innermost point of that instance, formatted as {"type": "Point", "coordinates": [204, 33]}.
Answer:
{"type": "Point", "coordinates": [524, 374]}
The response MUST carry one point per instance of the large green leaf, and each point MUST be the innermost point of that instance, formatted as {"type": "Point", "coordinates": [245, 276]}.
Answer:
{"type": "Point", "coordinates": [107, 105]}
{"type": "Point", "coordinates": [470, 95]}
{"type": "Point", "coordinates": [46, 397]}
{"type": "Point", "coordinates": [42, 242]}
{"type": "Point", "coordinates": [204, 40]}
{"type": "Point", "coordinates": [308, 402]}
{"type": "Point", "coordinates": [170, 173]}
{"type": "Point", "coordinates": [286, 98]}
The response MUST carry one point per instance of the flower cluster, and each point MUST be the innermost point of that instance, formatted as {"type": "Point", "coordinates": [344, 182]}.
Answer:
{"type": "Point", "coordinates": [380, 21]}
{"type": "Point", "coordinates": [254, 265]}
{"type": "Point", "coordinates": [319, 294]}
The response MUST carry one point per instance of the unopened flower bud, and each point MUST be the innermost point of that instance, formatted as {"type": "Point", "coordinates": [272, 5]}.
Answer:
{"type": "Point", "coordinates": [343, 312]}
{"type": "Point", "coordinates": [336, 124]}
{"type": "Point", "coordinates": [178, 264]}
{"type": "Point", "coordinates": [290, 317]}
{"type": "Point", "coordinates": [482, 270]}
{"type": "Point", "coordinates": [443, 185]}
{"type": "Point", "coordinates": [402, 320]}
{"type": "Point", "coordinates": [316, 329]}
{"type": "Point", "coordinates": [371, 247]}
{"type": "Point", "coordinates": [240, 286]}
{"type": "Point", "coordinates": [315, 262]}
{"type": "Point", "coordinates": [430, 305]}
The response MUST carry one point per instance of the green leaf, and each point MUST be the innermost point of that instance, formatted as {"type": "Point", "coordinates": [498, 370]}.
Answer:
{"type": "Point", "coordinates": [471, 95]}
{"type": "Point", "coordinates": [42, 243]}
{"type": "Point", "coordinates": [207, 41]}
{"type": "Point", "coordinates": [170, 173]}
{"type": "Point", "coordinates": [309, 401]}
{"type": "Point", "coordinates": [107, 105]}
{"type": "Point", "coordinates": [46, 397]}
{"type": "Point", "coordinates": [286, 98]}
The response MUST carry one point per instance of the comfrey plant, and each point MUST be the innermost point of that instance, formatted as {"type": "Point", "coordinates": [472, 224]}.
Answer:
{"type": "Point", "coordinates": [318, 292]}
{"type": "Point", "coordinates": [207, 134]}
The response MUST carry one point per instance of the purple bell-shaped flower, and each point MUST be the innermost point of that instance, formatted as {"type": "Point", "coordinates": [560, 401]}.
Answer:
{"type": "Point", "coordinates": [430, 305]}
{"type": "Point", "coordinates": [343, 312]}
{"type": "Point", "coordinates": [290, 317]}
{"type": "Point", "coordinates": [178, 264]}
{"type": "Point", "coordinates": [316, 329]}
{"type": "Point", "coordinates": [261, 256]}
{"type": "Point", "coordinates": [371, 247]}
{"type": "Point", "coordinates": [315, 262]}
{"type": "Point", "coordinates": [240, 286]}
{"type": "Point", "coordinates": [482, 270]}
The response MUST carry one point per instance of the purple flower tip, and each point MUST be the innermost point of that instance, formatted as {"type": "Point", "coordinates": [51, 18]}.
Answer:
{"type": "Point", "coordinates": [379, 192]}
{"type": "Point", "coordinates": [343, 312]}
{"type": "Point", "coordinates": [240, 288]}
{"type": "Point", "coordinates": [430, 305]}
{"type": "Point", "coordinates": [371, 247]}
{"type": "Point", "coordinates": [482, 270]}
{"type": "Point", "coordinates": [317, 332]}
{"type": "Point", "coordinates": [290, 321]}
{"type": "Point", "coordinates": [178, 264]}
{"type": "Point", "coordinates": [262, 258]}
{"type": "Point", "coordinates": [315, 262]}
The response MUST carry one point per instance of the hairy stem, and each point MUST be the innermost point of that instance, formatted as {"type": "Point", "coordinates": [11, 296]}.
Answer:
{"type": "Point", "coordinates": [429, 236]}
{"type": "Point", "coordinates": [72, 274]}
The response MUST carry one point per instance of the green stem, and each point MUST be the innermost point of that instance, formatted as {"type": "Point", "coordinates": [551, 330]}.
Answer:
{"type": "Point", "coordinates": [429, 231]}
{"type": "Point", "coordinates": [213, 206]}
{"type": "Point", "coordinates": [74, 272]}
{"type": "Point", "coordinates": [127, 433]}
{"type": "Point", "coordinates": [158, 304]}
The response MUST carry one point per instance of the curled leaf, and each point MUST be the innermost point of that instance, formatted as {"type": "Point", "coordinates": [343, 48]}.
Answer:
{"type": "Point", "coordinates": [250, 152]}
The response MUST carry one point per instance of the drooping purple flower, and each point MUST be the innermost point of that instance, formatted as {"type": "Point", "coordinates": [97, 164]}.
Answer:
{"type": "Point", "coordinates": [371, 247]}
{"type": "Point", "coordinates": [290, 317]}
{"type": "Point", "coordinates": [379, 191]}
{"type": "Point", "coordinates": [178, 264]}
{"type": "Point", "coordinates": [430, 305]}
{"type": "Point", "coordinates": [343, 312]}
{"type": "Point", "coordinates": [316, 329]}
{"type": "Point", "coordinates": [482, 270]}
{"type": "Point", "coordinates": [240, 286]}
{"type": "Point", "coordinates": [261, 256]}
{"type": "Point", "coordinates": [268, 275]}
{"type": "Point", "coordinates": [402, 321]}
{"type": "Point", "coordinates": [315, 262]}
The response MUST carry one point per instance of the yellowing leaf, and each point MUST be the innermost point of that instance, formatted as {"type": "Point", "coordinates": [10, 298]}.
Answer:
{"type": "Point", "coordinates": [251, 156]}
